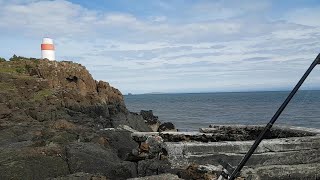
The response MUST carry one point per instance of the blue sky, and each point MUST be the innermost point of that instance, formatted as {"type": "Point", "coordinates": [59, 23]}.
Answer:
{"type": "Point", "coordinates": [142, 46]}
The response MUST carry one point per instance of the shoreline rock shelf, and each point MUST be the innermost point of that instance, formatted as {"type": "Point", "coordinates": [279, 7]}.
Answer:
{"type": "Point", "coordinates": [296, 147]}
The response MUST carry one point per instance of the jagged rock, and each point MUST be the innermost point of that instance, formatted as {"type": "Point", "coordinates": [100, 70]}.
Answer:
{"type": "Point", "coordinates": [72, 76]}
{"type": "Point", "coordinates": [144, 147]}
{"type": "Point", "coordinates": [50, 90]}
{"type": "Point", "coordinates": [155, 144]}
{"type": "Point", "coordinates": [52, 116]}
{"type": "Point", "coordinates": [121, 142]}
{"type": "Point", "coordinates": [167, 126]}
{"type": "Point", "coordinates": [131, 119]}
{"type": "Point", "coordinates": [150, 119]}
{"type": "Point", "coordinates": [150, 145]}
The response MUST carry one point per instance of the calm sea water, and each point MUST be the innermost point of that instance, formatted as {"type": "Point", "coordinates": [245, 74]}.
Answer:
{"type": "Point", "coordinates": [195, 110]}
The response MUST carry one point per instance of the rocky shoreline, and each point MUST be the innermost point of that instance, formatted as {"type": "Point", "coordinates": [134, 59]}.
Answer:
{"type": "Point", "coordinates": [58, 123]}
{"type": "Point", "coordinates": [53, 121]}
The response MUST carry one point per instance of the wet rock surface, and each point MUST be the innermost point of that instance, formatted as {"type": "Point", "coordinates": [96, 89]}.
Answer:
{"type": "Point", "coordinates": [167, 126]}
{"type": "Point", "coordinates": [251, 132]}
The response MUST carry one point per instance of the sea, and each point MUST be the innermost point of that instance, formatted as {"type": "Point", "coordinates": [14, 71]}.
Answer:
{"type": "Point", "coordinates": [191, 111]}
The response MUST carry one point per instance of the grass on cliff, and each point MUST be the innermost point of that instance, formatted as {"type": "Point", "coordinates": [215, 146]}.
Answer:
{"type": "Point", "coordinates": [13, 68]}
{"type": "Point", "coordinates": [6, 69]}
{"type": "Point", "coordinates": [5, 87]}
{"type": "Point", "coordinates": [41, 95]}
{"type": "Point", "coordinates": [18, 65]}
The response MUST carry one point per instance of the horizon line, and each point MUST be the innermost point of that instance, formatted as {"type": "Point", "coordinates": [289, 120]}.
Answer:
{"type": "Point", "coordinates": [207, 92]}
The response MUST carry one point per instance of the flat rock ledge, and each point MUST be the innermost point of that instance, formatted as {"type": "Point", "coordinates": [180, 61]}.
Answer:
{"type": "Point", "coordinates": [292, 149]}
{"type": "Point", "coordinates": [165, 176]}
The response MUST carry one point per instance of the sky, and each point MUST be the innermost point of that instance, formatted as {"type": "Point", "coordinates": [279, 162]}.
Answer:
{"type": "Point", "coordinates": [142, 46]}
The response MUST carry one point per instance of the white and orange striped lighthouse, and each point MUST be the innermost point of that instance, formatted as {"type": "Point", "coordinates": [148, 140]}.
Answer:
{"type": "Point", "coordinates": [47, 49]}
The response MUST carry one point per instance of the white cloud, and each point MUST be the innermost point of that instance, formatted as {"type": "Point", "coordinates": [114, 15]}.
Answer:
{"type": "Point", "coordinates": [227, 9]}
{"type": "Point", "coordinates": [216, 48]}
{"type": "Point", "coordinates": [61, 18]}
{"type": "Point", "coordinates": [46, 17]}
{"type": "Point", "coordinates": [305, 16]}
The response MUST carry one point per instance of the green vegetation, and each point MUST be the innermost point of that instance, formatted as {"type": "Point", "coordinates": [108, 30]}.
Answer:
{"type": "Point", "coordinates": [21, 58]}
{"type": "Point", "coordinates": [12, 69]}
{"type": "Point", "coordinates": [40, 95]}
{"type": "Point", "coordinates": [14, 58]}
{"type": "Point", "coordinates": [2, 59]}
{"type": "Point", "coordinates": [18, 65]}
{"type": "Point", "coordinates": [5, 87]}
{"type": "Point", "coordinates": [20, 70]}
{"type": "Point", "coordinates": [28, 67]}
{"type": "Point", "coordinates": [7, 70]}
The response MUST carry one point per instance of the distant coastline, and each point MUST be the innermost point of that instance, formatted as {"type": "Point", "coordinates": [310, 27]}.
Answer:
{"type": "Point", "coordinates": [217, 92]}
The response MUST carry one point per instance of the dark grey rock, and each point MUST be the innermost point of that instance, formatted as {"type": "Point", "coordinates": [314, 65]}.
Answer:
{"type": "Point", "coordinates": [131, 119]}
{"type": "Point", "coordinates": [155, 145]}
{"type": "Point", "coordinates": [26, 163]}
{"type": "Point", "coordinates": [153, 167]}
{"type": "Point", "coordinates": [121, 141]}
{"type": "Point", "coordinates": [92, 158]}
{"type": "Point", "coordinates": [166, 176]}
{"type": "Point", "coordinates": [80, 176]}
{"type": "Point", "coordinates": [167, 126]}
{"type": "Point", "coordinates": [151, 120]}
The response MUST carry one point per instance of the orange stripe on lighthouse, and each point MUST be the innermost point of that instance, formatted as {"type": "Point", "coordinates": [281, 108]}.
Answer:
{"type": "Point", "coordinates": [47, 47]}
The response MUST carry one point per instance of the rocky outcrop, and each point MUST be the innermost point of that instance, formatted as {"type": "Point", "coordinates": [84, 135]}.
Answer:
{"type": "Point", "coordinates": [71, 76]}
{"type": "Point", "coordinates": [167, 126]}
{"type": "Point", "coordinates": [151, 120]}
{"type": "Point", "coordinates": [53, 122]}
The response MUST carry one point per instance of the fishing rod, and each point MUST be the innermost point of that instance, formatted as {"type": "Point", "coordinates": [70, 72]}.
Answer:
{"type": "Point", "coordinates": [236, 171]}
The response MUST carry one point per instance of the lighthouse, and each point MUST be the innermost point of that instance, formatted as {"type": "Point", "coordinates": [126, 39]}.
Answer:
{"type": "Point", "coordinates": [47, 49]}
